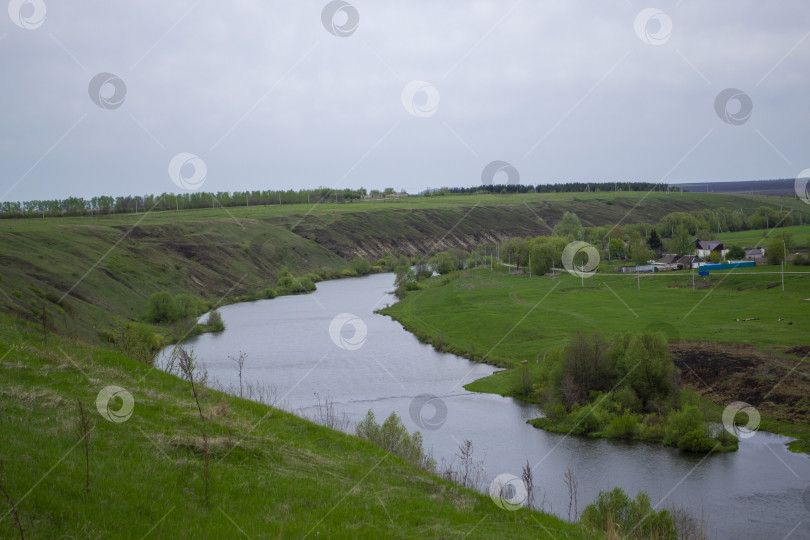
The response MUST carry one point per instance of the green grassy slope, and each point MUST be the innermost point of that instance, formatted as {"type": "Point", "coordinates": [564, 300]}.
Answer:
{"type": "Point", "coordinates": [515, 318]}
{"type": "Point", "coordinates": [270, 474]}
{"type": "Point", "coordinates": [83, 269]}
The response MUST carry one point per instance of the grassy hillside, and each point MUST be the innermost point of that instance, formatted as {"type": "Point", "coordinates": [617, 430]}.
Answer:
{"type": "Point", "coordinates": [83, 269]}
{"type": "Point", "coordinates": [269, 474]}
{"type": "Point", "coordinates": [508, 319]}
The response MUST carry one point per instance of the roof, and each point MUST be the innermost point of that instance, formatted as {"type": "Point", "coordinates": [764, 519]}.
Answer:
{"type": "Point", "coordinates": [689, 259]}
{"type": "Point", "coordinates": [710, 245]}
{"type": "Point", "coordinates": [669, 258]}
{"type": "Point", "coordinates": [754, 251]}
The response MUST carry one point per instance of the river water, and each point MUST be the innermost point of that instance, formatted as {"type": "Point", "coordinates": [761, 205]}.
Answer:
{"type": "Point", "coordinates": [330, 345]}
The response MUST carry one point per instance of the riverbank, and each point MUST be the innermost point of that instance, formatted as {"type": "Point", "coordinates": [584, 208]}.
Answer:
{"type": "Point", "coordinates": [162, 468]}
{"type": "Point", "coordinates": [513, 321]}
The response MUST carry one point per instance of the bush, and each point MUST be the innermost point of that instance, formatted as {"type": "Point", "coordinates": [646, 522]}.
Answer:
{"type": "Point", "coordinates": [696, 441]}
{"type": "Point", "coordinates": [214, 322]}
{"type": "Point", "coordinates": [360, 265]}
{"type": "Point", "coordinates": [161, 308]}
{"type": "Point", "coordinates": [681, 422]}
{"type": "Point", "coordinates": [616, 513]}
{"type": "Point", "coordinates": [269, 293]}
{"type": "Point", "coordinates": [444, 262]}
{"type": "Point", "coordinates": [588, 419]}
{"type": "Point", "coordinates": [187, 306]}
{"type": "Point", "coordinates": [412, 286]}
{"type": "Point", "coordinates": [136, 340]}
{"type": "Point", "coordinates": [625, 426]}
{"type": "Point", "coordinates": [393, 437]}
{"type": "Point", "coordinates": [348, 272]}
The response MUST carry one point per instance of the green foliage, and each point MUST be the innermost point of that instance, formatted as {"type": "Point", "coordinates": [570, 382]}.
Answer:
{"type": "Point", "coordinates": [136, 340]}
{"type": "Point", "coordinates": [775, 251]}
{"type": "Point", "coordinates": [393, 437]}
{"type": "Point", "coordinates": [444, 262]}
{"type": "Point", "coordinates": [766, 218]}
{"type": "Point", "coordinates": [680, 422]}
{"type": "Point", "coordinates": [696, 441]}
{"type": "Point", "coordinates": [286, 283]}
{"type": "Point", "coordinates": [625, 426]}
{"type": "Point", "coordinates": [187, 306]}
{"type": "Point", "coordinates": [614, 512]}
{"type": "Point", "coordinates": [215, 322]}
{"type": "Point", "coordinates": [161, 308]}
{"type": "Point", "coordinates": [588, 419]}
{"type": "Point", "coordinates": [645, 363]}
{"type": "Point", "coordinates": [654, 241]}
{"type": "Point", "coordinates": [569, 227]}
{"type": "Point", "coordinates": [361, 266]}
{"type": "Point", "coordinates": [615, 247]}
{"type": "Point", "coordinates": [736, 253]}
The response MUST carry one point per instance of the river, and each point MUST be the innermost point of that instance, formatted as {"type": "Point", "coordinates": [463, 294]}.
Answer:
{"type": "Point", "coordinates": [331, 345]}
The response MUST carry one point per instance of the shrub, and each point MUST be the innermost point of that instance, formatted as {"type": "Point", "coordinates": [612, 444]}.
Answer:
{"type": "Point", "coordinates": [348, 272]}
{"type": "Point", "coordinates": [214, 322]}
{"type": "Point", "coordinates": [696, 441]}
{"type": "Point", "coordinates": [161, 308]}
{"type": "Point", "coordinates": [614, 511]}
{"type": "Point", "coordinates": [360, 265]}
{"type": "Point", "coordinates": [136, 340]}
{"type": "Point", "coordinates": [444, 262]}
{"type": "Point", "coordinates": [412, 286]}
{"type": "Point", "coordinates": [588, 419]}
{"type": "Point", "coordinates": [393, 437]}
{"type": "Point", "coordinates": [681, 422]}
{"type": "Point", "coordinates": [269, 293]}
{"type": "Point", "coordinates": [625, 426]}
{"type": "Point", "coordinates": [187, 306]}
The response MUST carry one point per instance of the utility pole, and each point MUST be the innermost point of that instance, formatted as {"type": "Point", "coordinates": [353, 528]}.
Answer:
{"type": "Point", "coordinates": [784, 262]}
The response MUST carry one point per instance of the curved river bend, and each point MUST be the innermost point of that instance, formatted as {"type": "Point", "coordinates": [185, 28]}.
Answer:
{"type": "Point", "coordinates": [761, 491]}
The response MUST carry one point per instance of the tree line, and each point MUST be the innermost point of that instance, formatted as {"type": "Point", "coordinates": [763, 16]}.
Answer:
{"type": "Point", "coordinates": [127, 204]}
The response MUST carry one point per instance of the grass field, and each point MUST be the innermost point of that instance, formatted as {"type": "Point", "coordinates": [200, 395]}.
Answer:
{"type": "Point", "coordinates": [749, 239]}
{"type": "Point", "coordinates": [508, 319]}
{"type": "Point", "coordinates": [269, 474]}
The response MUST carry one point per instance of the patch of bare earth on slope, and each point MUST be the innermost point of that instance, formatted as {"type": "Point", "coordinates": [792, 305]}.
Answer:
{"type": "Point", "coordinates": [725, 372]}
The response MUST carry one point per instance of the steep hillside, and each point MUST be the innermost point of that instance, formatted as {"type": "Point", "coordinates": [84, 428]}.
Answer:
{"type": "Point", "coordinates": [84, 269]}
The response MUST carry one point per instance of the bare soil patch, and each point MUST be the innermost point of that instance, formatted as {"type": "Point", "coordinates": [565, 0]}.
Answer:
{"type": "Point", "coordinates": [725, 372]}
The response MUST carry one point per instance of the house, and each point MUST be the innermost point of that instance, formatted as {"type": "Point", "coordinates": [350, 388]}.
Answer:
{"type": "Point", "coordinates": [706, 248]}
{"type": "Point", "coordinates": [755, 253]}
{"type": "Point", "coordinates": [669, 258]}
{"type": "Point", "coordinates": [690, 261]}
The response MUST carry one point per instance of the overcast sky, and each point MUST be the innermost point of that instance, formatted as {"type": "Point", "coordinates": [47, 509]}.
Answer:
{"type": "Point", "coordinates": [281, 95]}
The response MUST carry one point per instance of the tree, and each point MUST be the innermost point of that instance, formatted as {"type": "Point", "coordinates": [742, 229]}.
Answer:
{"type": "Point", "coordinates": [654, 241]}
{"type": "Point", "coordinates": [682, 242]}
{"type": "Point", "coordinates": [775, 251]}
{"type": "Point", "coordinates": [645, 362]}
{"type": "Point", "coordinates": [444, 262]}
{"type": "Point", "coordinates": [639, 252]}
{"type": "Point", "coordinates": [569, 226]}
{"type": "Point", "coordinates": [615, 247]}
{"type": "Point", "coordinates": [736, 253]}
